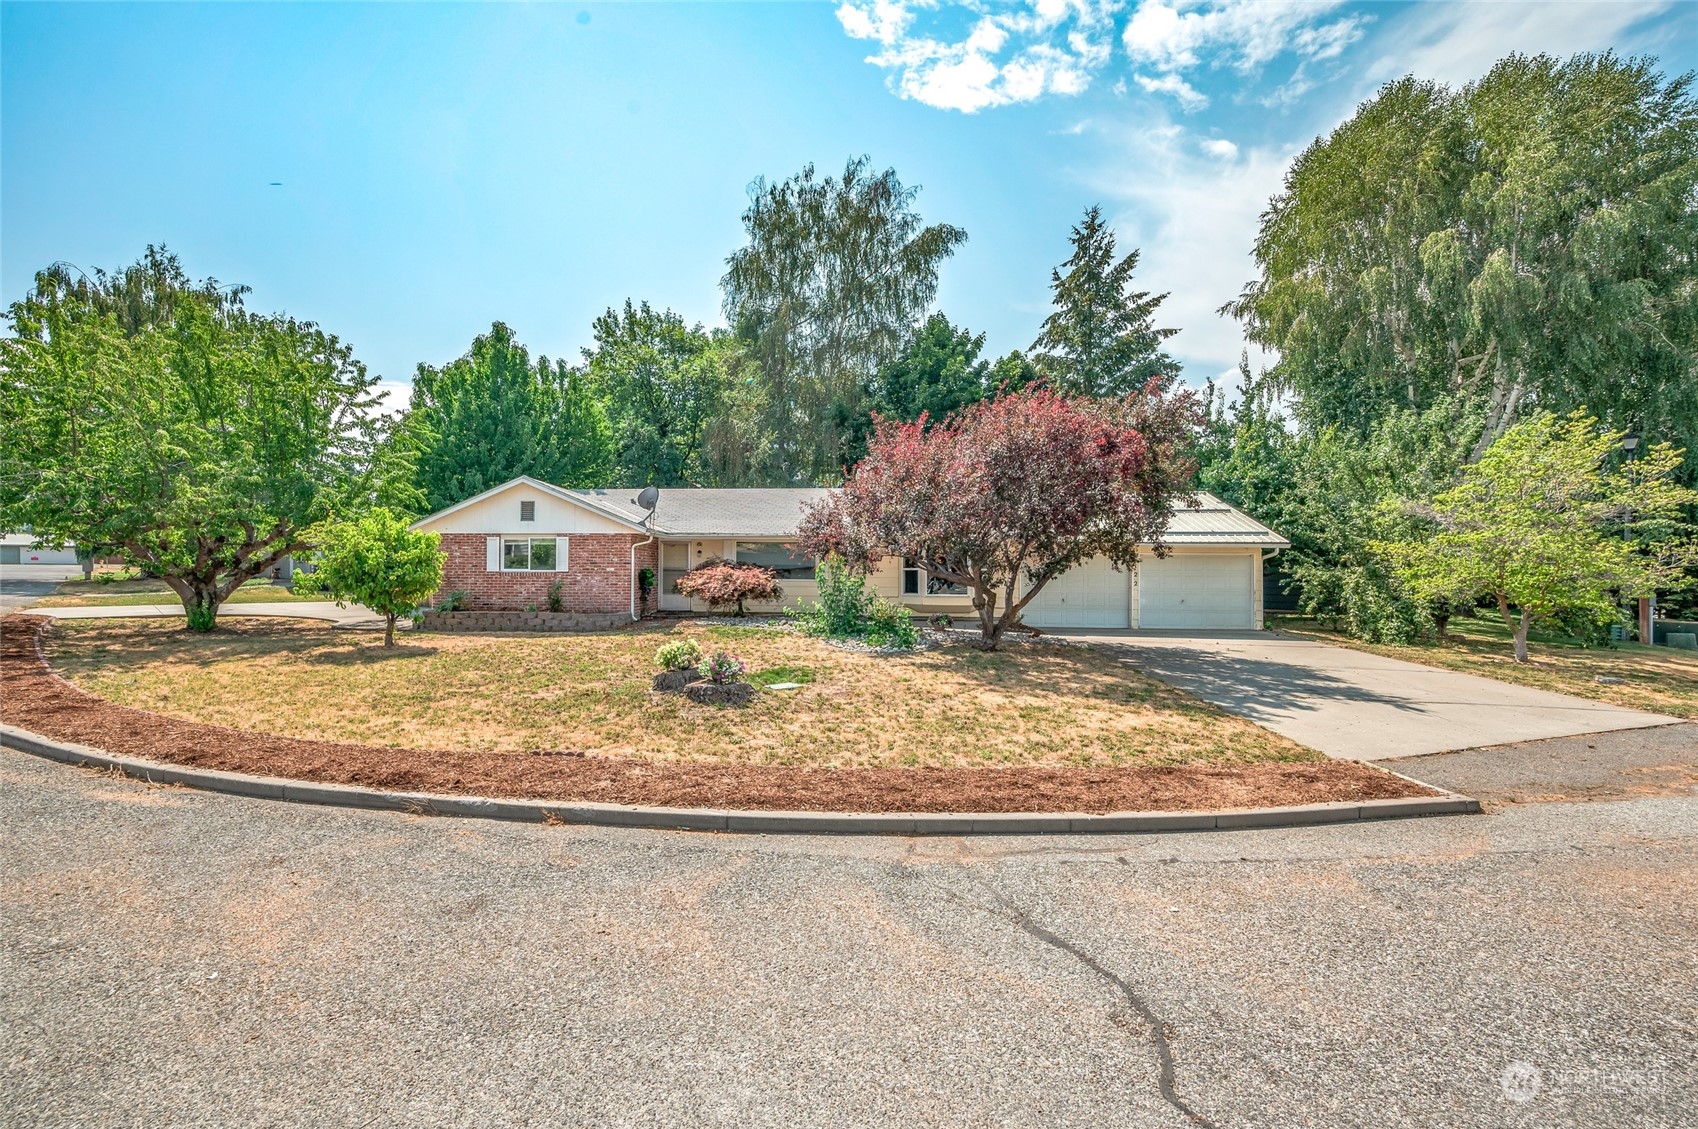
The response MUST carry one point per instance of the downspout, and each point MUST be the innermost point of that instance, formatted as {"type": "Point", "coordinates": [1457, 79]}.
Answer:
{"type": "Point", "coordinates": [635, 545]}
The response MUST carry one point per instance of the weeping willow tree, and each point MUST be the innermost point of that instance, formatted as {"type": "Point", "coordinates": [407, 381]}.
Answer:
{"type": "Point", "coordinates": [836, 276]}
{"type": "Point", "coordinates": [1526, 243]}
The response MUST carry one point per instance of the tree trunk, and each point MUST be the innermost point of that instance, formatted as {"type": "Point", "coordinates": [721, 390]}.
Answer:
{"type": "Point", "coordinates": [1517, 628]}
{"type": "Point", "coordinates": [389, 630]}
{"type": "Point", "coordinates": [200, 603]}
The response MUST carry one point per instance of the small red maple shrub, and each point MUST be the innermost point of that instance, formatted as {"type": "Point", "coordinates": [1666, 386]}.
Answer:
{"type": "Point", "coordinates": [1016, 489]}
{"type": "Point", "coordinates": [723, 583]}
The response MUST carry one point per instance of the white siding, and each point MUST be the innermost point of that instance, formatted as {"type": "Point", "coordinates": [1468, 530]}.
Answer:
{"type": "Point", "coordinates": [500, 514]}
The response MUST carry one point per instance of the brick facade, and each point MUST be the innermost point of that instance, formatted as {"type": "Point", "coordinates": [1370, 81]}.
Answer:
{"type": "Point", "coordinates": [597, 578]}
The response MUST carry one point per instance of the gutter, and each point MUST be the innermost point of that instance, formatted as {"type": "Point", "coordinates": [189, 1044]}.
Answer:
{"type": "Point", "coordinates": [635, 545]}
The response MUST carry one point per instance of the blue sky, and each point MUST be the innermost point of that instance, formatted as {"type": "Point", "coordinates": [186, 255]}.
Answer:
{"type": "Point", "coordinates": [443, 166]}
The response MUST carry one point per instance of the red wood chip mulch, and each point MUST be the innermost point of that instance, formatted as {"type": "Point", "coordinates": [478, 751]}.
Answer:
{"type": "Point", "coordinates": [36, 699]}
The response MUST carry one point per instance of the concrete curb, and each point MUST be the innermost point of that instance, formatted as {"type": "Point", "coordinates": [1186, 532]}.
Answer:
{"type": "Point", "coordinates": [715, 819]}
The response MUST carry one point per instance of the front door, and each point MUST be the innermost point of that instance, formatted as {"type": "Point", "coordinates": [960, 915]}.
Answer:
{"type": "Point", "coordinates": [674, 562]}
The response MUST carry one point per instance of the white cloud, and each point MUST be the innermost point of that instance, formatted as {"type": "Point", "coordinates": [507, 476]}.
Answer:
{"type": "Point", "coordinates": [883, 20]}
{"type": "Point", "coordinates": [1192, 205]}
{"type": "Point", "coordinates": [1013, 55]}
{"type": "Point", "coordinates": [1190, 98]}
{"type": "Point", "coordinates": [1173, 36]}
{"type": "Point", "coordinates": [1457, 43]}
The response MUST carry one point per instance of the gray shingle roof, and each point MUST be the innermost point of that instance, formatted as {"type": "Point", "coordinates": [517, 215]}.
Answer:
{"type": "Point", "coordinates": [685, 512]}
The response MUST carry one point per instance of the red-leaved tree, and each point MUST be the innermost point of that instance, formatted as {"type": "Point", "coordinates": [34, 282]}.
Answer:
{"type": "Point", "coordinates": [723, 583]}
{"type": "Point", "coordinates": [1015, 491]}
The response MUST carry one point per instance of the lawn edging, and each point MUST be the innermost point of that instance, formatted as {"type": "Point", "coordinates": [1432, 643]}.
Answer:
{"type": "Point", "coordinates": [718, 819]}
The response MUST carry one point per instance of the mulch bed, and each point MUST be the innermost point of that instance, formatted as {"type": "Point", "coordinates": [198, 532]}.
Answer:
{"type": "Point", "coordinates": [33, 697]}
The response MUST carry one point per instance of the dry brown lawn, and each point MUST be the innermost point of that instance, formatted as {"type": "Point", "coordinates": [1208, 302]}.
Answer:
{"type": "Point", "coordinates": [1656, 679]}
{"type": "Point", "coordinates": [1037, 703]}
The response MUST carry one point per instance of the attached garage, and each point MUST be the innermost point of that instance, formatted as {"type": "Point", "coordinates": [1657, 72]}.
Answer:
{"type": "Point", "coordinates": [1092, 594]}
{"type": "Point", "coordinates": [1199, 590]}
{"type": "Point", "coordinates": [1211, 580]}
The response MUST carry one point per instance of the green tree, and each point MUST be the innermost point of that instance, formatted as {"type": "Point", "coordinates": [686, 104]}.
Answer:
{"type": "Point", "coordinates": [376, 561]}
{"type": "Point", "coordinates": [1537, 524]}
{"type": "Point", "coordinates": [663, 383]}
{"type": "Point", "coordinates": [1101, 339]}
{"type": "Point", "coordinates": [1526, 243]}
{"type": "Point", "coordinates": [493, 415]}
{"type": "Point", "coordinates": [835, 278]}
{"type": "Point", "coordinates": [939, 373]}
{"type": "Point", "coordinates": [142, 411]}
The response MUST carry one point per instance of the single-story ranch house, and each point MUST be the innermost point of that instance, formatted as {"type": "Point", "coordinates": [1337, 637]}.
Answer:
{"type": "Point", "coordinates": [509, 546]}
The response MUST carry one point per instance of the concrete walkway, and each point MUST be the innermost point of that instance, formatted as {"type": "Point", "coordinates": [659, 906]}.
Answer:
{"type": "Point", "coordinates": [1351, 704]}
{"type": "Point", "coordinates": [353, 616]}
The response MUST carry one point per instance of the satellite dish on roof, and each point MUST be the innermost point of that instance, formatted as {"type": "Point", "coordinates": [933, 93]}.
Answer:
{"type": "Point", "coordinates": [649, 498]}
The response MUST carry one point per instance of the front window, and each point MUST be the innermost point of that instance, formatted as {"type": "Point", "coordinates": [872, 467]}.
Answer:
{"type": "Point", "coordinates": [787, 562]}
{"type": "Point", "coordinates": [527, 554]}
{"type": "Point", "coordinates": [913, 576]}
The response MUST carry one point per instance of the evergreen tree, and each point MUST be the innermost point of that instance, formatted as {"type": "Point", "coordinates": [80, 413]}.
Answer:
{"type": "Point", "coordinates": [493, 415]}
{"type": "Point", "coordinates": [1102, 339]}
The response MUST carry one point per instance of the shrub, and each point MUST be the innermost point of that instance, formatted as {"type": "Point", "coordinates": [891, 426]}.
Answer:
{"type": "Point", "coordinates": [890, 625]}
{"type": "Point", "coordinates": [726, 583]}
{"type": "Point", "coordinates": [680, 654]}
{"type": "Point", "coordinates": [555, 602]}
{"type": "Point", "coordinates": [645, 582]}
{"type": "Point", "coordinates": [721, 668]}
{"type": "Point", "coordinates": [844, 599]}
{"type": "Point", "coordinates": [453, 602]}
{"type": "Point", "coordinates": [846, 610]}
{"type": "Point", "coordinates": [943, 621]}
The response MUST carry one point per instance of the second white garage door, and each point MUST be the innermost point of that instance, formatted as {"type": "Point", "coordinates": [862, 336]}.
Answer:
{"type": "Point", "coordinates": [1204, 590]}
{"type": "Point", "coordinates": [1091, 594]}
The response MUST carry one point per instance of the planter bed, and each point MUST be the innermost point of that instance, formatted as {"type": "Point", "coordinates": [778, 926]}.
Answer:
{"type": "Point", "coordinates": [33, 697]}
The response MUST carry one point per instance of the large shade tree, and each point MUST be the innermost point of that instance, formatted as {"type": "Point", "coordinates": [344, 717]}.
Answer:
{"type": "Point", "coordinates": [1101, 338]}
{"type": "Point", "coordinates": [836, 275]}
{"type": "Point", "coordinates": [1525, 243]}
{"type": "Point", "coordinates": [494, 414]}
{"type": "Point", "coordinates": [157, 416]}
{"type": "Point", "coordinates": [666, 385]}
{"type": "Point", "coordinates": [1014, 491]}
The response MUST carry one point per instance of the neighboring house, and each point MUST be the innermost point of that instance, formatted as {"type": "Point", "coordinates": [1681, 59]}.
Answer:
{"type": "Point", "coordinates": [20, 548]}
{"type": "Point", "coordinates": [508, 546]}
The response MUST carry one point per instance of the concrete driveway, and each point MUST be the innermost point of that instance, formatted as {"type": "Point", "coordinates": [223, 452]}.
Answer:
{"type": "Point", "coordinates": [1354, 705]}
{"type": "Point", "coordinates": [174, 958]}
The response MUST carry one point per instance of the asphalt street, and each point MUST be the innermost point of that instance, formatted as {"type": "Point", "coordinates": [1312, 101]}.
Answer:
{"type": "Point", "coordinates": [23, 585]}
{"type": "Point", "coordinates": [172, 958]}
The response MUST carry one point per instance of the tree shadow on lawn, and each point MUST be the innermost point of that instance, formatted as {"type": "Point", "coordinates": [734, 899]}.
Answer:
{"type": "Point", "coordinates": [127, 645]}
{"type": "Point", "coordinates": [1256, 688]}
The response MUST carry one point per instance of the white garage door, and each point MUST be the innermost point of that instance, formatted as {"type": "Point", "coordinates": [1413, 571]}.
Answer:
{"type": "Point", "coordinates": [1091, 594]}
{"type": "Point", "coordinates": [1209, 590]}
